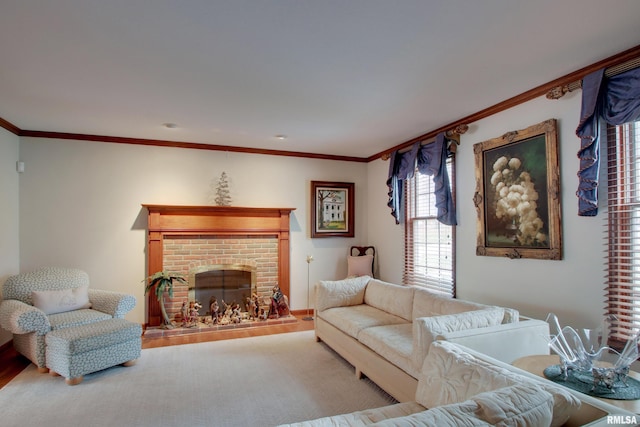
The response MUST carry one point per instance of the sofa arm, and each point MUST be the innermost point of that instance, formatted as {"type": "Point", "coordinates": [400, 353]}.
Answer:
{"type": "Point", "coordinates": [506, 342]}
{"type": "Point", "coordinates": [428, 329]}
{"type": "Point", "coordinates": [20, 318]}
{"type": "Point", "coordinates": [113, 303]}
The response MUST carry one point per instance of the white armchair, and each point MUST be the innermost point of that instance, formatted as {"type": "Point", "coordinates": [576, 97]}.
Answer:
{"type": "Point", "coordinates": [37, 302]}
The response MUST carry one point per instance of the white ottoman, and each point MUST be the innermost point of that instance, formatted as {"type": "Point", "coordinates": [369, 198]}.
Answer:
{"type": "Point", "coordinates": [80, 350]}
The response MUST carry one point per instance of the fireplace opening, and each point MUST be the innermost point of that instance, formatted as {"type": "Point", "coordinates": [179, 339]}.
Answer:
{"type": "Point", "coordinates": [226, 284]}
{"type": "Point", "coordinates": [230, 286]}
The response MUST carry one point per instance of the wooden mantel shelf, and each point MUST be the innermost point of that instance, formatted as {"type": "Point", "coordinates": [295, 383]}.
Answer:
{"type": "Point", "coordinates": [167, 220]}
{"type": "Point", "coordinates": [185, 209]}
{"type": "Point", "coordinates": [219, 219]}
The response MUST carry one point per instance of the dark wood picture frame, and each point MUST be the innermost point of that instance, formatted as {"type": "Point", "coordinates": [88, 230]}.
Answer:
{"type": "Point", "coordinates": [332, 209]}
{"type": "Point", "coordinates": [518, 194]}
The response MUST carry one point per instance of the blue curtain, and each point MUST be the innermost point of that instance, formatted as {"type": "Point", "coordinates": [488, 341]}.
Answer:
{"type": "Point", "coordinates": [430, 159]}
{"type": "Point", "coordinates": [616, 100]}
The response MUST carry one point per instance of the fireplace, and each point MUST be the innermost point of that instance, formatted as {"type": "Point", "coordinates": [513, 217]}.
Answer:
{"type": "Point", "coordinates": [191, 254]}
{"type": "Point", "coordinates": [194, 239]}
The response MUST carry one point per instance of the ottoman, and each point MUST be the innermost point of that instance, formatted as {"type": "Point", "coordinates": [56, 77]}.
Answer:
{"type": "Point", "coordinates": [80, 350]}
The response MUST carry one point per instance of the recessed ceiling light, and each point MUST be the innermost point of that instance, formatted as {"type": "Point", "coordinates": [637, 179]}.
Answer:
{"type": "Point", "coordinates": [281, 137]}
{"type": "Point", "coordinates": [170, 125]}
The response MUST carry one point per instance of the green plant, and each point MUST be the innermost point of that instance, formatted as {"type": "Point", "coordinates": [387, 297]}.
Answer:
{"type": "Point", "coordinates": [163, 282]}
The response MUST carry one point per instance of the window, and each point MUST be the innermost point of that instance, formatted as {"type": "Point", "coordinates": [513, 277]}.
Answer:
{"type": "Point", "coordinates": [429, 244]}
{"type": "Point", "coordinates": [623, 230]}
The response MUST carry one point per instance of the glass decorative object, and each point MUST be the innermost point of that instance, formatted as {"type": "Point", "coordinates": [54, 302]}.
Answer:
{"type": "Point", "coordinates": [582, 351]}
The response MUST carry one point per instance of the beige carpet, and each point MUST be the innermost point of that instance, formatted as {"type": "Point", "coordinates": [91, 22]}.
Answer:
{"type": "Point", "coordinates": [258, 381]}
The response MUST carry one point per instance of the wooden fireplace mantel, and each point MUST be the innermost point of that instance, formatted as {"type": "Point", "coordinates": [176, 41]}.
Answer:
{"type": "Point", "coordinates": [166, 220]}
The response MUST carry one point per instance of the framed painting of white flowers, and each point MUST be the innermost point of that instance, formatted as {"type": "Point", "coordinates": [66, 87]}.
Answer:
{"type": "Point", "coordinates": [518, 194]}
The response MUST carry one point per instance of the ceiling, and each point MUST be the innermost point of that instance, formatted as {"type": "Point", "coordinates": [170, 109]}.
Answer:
{"type": "Point", "coordinates": [337, 77]}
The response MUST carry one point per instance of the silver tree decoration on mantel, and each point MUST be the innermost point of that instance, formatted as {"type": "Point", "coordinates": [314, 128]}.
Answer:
{"type": "Point", "coordinates": [223, 197]}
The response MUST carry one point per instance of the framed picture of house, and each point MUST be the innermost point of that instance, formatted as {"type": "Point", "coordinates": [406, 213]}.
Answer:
{"type": "Point", "coordinates": [332, 209]}
{"type": "Point", "coordinates": [517, 194]}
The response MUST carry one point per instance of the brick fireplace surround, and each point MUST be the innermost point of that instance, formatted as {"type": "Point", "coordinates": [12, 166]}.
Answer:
{"type": "Point", "coordinates": [185, 238]}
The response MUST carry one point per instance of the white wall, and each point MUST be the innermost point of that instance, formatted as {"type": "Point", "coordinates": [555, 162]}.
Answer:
{"type": "Point", "coordinates": [80, 206]}
{"type": "Point", "coordinates": [9, 218]}
{"type": "Point", "coordinates": [573, 288]}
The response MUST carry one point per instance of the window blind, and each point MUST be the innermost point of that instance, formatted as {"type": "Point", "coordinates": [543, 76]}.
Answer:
{"type": "Point", "coordinates": [623, 230]}
{"type": "Point", "coordinates": [429, 244]}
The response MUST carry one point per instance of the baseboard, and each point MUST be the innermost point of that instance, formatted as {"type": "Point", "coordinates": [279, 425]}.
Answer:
{"type": "Point", "coordinates": [301, 312]}
{"type": "Point", "coordinates": [6, 346]}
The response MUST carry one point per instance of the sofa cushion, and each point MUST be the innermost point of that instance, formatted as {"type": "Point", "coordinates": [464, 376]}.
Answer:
{"type": "Point", "coordinates": [428, 329]}
{"type": "Point", "coordinates": [455, 415]}
{"type": "Point", "coordinates": [340, 293]}
{"type": "Point", "coordinates": [362, 418]}
{"type": "Point", "coordinates": [97, 335]}
{"type": "Point", "coordinates": [427, 304]}
{"type": "Point", "coordinates": [76, 318]}
{"type": "Point", "coordinates": [393, 342]}
{"type": "Point", "coordinates": [432, 327]}
{"type": "Point", "coordinates": [521, 405]}
{"type": "Point", "coordinates": [394, 299]}
{"type": "Point", "coordinates": [351, 320]}
{"type": "Point", "coordinates": [61, 300]}
{"type": "Point", "coordinates": [450, 374]}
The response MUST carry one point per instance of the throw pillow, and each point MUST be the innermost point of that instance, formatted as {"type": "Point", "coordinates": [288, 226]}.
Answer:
{"type": "Point", "coordinates": [60, 301]}
{"type": "Point", "coordinates": [519, 405]}
{"type": "Point", "coordinates": [454, 415]}
{"type": "Point", "coordinates": [340, 293]}
{"type": "Point", "coordinates": [360, 266]}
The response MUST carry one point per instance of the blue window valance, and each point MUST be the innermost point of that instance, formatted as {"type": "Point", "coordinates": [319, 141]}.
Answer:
{"type": "Point", "coordinates": [429, 159]}
{"type": "Point", "coordinates": [616, 100]}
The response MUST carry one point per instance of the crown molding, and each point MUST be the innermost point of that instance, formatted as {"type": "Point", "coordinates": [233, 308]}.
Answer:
{"type": "Point", "coordinates": [536, 92]}
{"type": "Point", "coordinates": [10, 126]}
{"type": "Point", "coordinates": [190, 145]}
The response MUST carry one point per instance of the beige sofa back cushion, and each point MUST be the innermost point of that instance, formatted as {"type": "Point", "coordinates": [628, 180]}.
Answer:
{"type": "Point", "coordinates": [340, 293]}
{"type": "Point", "coordinates": [450, 374]}
{"type": "Point", "coordinates": [429, 329]}
{"type": "Point", "coordinates": [394, 299]}
{"type": "Point", "coordinates": [519, 405]}
{"type": "Point", "coordinates": [427, 303]}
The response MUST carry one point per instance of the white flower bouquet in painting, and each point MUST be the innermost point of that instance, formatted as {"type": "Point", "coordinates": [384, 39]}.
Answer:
{"type": "Point", "coordinates": [516, 202]}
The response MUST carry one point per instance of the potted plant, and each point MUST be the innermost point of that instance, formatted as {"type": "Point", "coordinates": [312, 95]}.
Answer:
{"type": "Point", "coordinates": [163, 282]}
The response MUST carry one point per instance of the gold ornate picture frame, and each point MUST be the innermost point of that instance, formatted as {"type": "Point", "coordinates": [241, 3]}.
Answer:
{"type": "Point", "coordinates": [517, 194]}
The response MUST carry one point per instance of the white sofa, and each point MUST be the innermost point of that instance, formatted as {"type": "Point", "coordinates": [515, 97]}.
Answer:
{"type": "Point", "coordinates": [384, 330]}
{"type": "Point", "coordinates": [461, 387]}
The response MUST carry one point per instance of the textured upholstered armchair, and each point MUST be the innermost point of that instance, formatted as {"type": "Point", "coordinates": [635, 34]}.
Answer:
{"type": "Point", "coordinates": [47, 299]}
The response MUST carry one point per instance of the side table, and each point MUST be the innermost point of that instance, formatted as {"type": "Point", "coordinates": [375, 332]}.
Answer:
{"type": "Point", "coordinates": [536, 365]}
